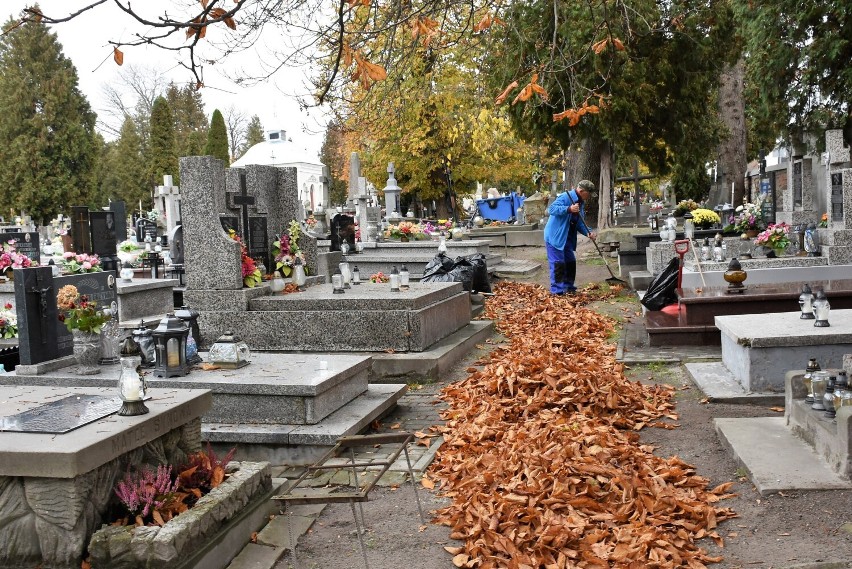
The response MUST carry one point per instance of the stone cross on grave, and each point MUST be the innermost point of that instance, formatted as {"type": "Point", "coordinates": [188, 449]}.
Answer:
{"type": "Point", "coordinates": [243, 201]}
{"type": "Point", "coordinates": [635, 178]}
{"type": "Point", "coordinates": [170, 195]}
{"type": "Point", "coordinates": [392, 190]}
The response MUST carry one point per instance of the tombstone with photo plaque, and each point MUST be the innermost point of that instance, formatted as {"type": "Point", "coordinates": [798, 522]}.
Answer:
{"type": "Point", "coordinates": [230, 223]}
{"type": "Point", "coordinates": [26, 243]}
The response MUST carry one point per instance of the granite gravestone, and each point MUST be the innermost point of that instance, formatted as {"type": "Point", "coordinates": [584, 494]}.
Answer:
{"type": "Point", "coordinates": [120, 210]}
{"type": "Point", "coordinates": [259, 239]}
{"type": "Point", "coordinates": [99, 287]}
{"type": "Point", "coordinates": [145, 228]}
{"type": "Point", "coordinates": [80, 233]}
{"type": "Point", "coordinates": [230, 223]}
{"type": "Point", "coordinates": [26, 243]}
{"type": "Point", "coordinates": [103, 227]}
{"type": "Point", "coordinates": [38, 317]}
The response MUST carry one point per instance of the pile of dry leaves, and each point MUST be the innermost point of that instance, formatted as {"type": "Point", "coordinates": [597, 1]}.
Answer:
{"type": "Point", "coordinates": [542, 461]}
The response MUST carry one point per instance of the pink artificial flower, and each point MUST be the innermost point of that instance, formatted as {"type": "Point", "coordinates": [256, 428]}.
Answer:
{"type": "Point", "coordinates": [8, 306]}
{"type": "Point", "coordinates": [68, 254]}
{"type": "Point", "coordinates": [87, 265]}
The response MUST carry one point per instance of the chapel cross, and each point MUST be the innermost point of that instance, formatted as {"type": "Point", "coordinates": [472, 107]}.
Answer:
{"type": "Point", "coordinates": [635, 178]}
{"type": "Point", "coordinates": [243, 200]}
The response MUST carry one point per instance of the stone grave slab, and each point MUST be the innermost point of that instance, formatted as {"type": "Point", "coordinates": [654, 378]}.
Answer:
{"type": "Point", "coordinates": [367, 317]}
{"type": "Point", "coordinates": [148, 299]}
{"type": "Point", "coordinates": [758, 349]}
{"type": "Point", "coordinates": [63, 415]}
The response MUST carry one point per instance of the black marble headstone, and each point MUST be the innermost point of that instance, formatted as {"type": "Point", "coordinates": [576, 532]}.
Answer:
{"type": "Point", "coordinates": [176, 251]}
{"type": "Point", "coordinates": [104, 244]}
{"type": "Point", "coordinates": [26, 243]}
{"type": "Point", "coordinates": [342, 229]}
{"type": "Point", "coordinates": [145, 228]}
{"type": "Point", "coordinates": [99, 287]}
{"type": "Point", "coordinates": [230, 223]}
{"type": "Point", "coordinates": [38, 317]}
{"type": "Point", "coordinates": [259, 239]}
{"type": "Point", "coordinates": [80, 234]}
{"type": "Point", "coordinates": [119, 208]}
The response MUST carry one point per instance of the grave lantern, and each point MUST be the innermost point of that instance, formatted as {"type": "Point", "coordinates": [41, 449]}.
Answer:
{"type": "Point", "coordinates": [299, 274]}
{"type": "Point", "coordinates": [142, 335]}
{"type": "Point", "coordinates": [229, 352]}
{"type": "Point", "coordinates": [337, 282]}
{"type": "Point", "coordinates": [688, 226]}
{"type": "Point", "coordinates": [356, 275]}
{"type": "Point", "coordinates": [806, 303]}
{"type": "Point", "coordinates": [277, 284]}
{"type": "Point", "coordinates": [170, 347]}
{"type": "Point", "coordinates": [131, 385]}
{"type": "Point", "coordinates": [813, 367]}
{"type": "Point", "coordinates": [190, 317]}
{"type": "Point", "coordinates": [55, 269]}
{"type": "Point", "coordinates": [828, 398]}
{"type": "Point", "coordinates": [126, 273]}
{"type": "Point", "coordinates": [404, 278]}
{"type": "Point", "coordinates": [819, 379]}
{"type": "Point", "coordinates": [345, 273]}
{"type": "Point", "coordinates": [821, 309]}
{"type": "Point", "coordinates": [394, 279]}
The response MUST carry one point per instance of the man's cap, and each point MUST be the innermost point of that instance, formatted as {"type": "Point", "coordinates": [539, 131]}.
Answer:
{"type": "Point", "coordinates": [588, 186]}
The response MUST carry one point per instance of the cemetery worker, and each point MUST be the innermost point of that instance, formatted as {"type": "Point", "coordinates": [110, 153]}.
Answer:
{"type": "Point", "coordinates": [567, 217]}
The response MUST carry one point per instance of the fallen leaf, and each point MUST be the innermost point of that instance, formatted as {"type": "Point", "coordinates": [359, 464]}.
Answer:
{"type": "Point", "coordinates": [778, 409]}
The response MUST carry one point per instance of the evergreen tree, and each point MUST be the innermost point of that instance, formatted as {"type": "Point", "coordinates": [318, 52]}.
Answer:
{"type": "Point", "coordinates": [48, 145]}
{"type": "Point", "coordinates": [334, 155]}
{"type": "Point", "coordinates": [162, 156]}
{"type": "Point", "coordinates": [189, 119]}
{"type": "Point", "coordinates": [217, 139]}
{"type": "Point", "coordinates": [123, 177]}
{"type": "Point", "coordinates": [254, 134]}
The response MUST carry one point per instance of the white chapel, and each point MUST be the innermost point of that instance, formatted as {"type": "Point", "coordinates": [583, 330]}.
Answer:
{"type": "Point", "coordinates": [278, 150]}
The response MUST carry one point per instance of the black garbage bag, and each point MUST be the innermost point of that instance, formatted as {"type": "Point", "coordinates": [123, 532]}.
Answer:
{"type": "Point", "coordinates": [481, 282]}
{"type": "Point", "coordinates": [442, 269]}
{"type": "Point", "coordinates": [661, 291]}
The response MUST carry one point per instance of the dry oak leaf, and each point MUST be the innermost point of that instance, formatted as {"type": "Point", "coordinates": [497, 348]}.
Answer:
{"type": "Point", "coordinates": [117, 56]}
{"type": "Point", "coordinates": [209, 367]}
{"type": "Point", "coordinates": [529, 89]}
{"type": "Point", "coordinates": [501, 98]}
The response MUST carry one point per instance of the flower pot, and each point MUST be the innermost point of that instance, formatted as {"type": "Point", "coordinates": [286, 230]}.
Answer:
{"type": "Point", "coordinates": [404, 239]}
{"type": "Point", "coordinates": [87, 352]}
{"type": "Point", "coordinates": [751, 233]}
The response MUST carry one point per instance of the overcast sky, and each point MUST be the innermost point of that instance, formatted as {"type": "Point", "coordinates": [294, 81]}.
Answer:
{"type": "Point", "coordinates": [85, 43]}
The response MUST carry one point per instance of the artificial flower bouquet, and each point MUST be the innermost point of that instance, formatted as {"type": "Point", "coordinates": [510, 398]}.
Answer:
{"type": "Point", "coordinates": [406, 229]}
{"type": "Point", "coordinates": [776, 236]}
{"type": "Point", "coordinates": [11, 259]}
{"type": "Point", "coordinates": [748, 217]}
{"type": "Point", "coordinates": [379, 277]}
{"type": "Point", "coordinates": [285, 249]}
{"type": "Point", "coordinates": [77, 312]}
{"type": "Point", "coordinates": [8, 321]}
{"type": "Point", "coordinates": [823, 221]}
{"type": "Point", "coordinates": [80, 263]}
{"type": "Point", "coordinates": [250, 272]}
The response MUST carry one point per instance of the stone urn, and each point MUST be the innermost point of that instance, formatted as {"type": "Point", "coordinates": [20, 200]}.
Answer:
{"type": "Point", "coordinates": [87, 352]}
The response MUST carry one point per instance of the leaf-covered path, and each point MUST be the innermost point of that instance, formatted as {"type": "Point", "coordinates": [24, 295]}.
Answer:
{"type": "Point", "coordinates": [542, 463]}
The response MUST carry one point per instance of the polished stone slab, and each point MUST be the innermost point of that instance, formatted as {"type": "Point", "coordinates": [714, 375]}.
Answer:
{"type": "Point", "coordinates": [94, 444]}
{"type": "Point", "coordinates": [758, 349]}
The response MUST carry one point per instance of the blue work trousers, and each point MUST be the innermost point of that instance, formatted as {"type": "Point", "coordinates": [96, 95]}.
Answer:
{"type": "Point", "coordinates": [563, 268]}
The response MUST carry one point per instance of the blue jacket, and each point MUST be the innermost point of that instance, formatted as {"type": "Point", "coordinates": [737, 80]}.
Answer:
{"type": "Point", "coordinates": [562, 225]}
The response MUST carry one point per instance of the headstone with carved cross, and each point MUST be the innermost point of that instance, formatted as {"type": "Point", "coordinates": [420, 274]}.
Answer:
{"type": "Point", "coordinates": [169, 203]}
{"type": "Point", "coordinates": [80, 233]}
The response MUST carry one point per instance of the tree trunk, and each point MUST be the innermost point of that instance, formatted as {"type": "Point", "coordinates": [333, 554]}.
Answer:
{"type": "Point", "coordinates": [732, 150]}
{"type": "Point", "coordinates": [605, 188]}
{"type": "Point", "coordinates": [583, 162]}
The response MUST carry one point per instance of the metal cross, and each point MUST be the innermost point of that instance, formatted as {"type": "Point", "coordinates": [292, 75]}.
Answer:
{"type": "Point", "coordinates": [243, 201]}
{"type": "Point", "coordinates": [42, 305]}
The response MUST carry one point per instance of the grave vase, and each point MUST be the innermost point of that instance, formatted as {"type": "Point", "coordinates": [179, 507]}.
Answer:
{"type": "Point", "coordinates": [87, 352]}
{"type": "Point", "coordinates": [404, 239]}
{"type": "Point", "coordinates": [751, 233]}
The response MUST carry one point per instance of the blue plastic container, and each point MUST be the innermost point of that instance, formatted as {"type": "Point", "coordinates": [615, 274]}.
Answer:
{"type": "Point", "coordinates": [500, 209]}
